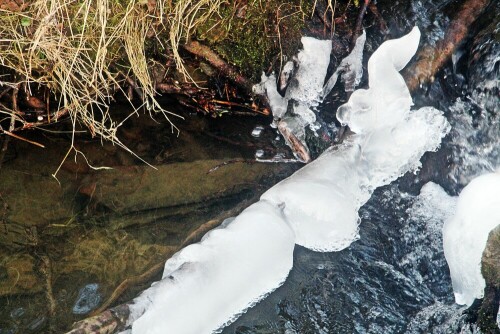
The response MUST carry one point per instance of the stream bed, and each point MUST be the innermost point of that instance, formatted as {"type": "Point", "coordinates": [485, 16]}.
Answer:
{"type": "Point", "coordinates": [87, 234]}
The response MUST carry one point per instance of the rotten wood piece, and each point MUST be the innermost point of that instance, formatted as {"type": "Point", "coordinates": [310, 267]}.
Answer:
{"type": "Point", "coordinates": [431, 59]}
{"type": "Point", "coordinates": [110, 321]}
{"type": "Point", "coordinates": [297, 147]}
{"type": "Point", "coordinates": [203, 51]}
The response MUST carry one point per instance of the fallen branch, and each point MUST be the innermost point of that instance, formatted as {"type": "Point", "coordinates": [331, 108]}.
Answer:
{"type": "Point", "coordinates": [431, 59]}
{"type": "Point", "coordinates": [359, 23]}
{"type": "Point", "coordinates": [216, 61]}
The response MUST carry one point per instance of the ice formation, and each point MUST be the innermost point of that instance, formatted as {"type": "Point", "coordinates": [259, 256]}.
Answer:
{"type": "Point", "coordinates": [294, 110]}
{"type": "Point", "coordinates": [304, 78]}
{"type": "Point", "coordinates": [350, 68]}
{"type": "Point", "coordinates": [321, 200]}
{"type": "Point", "coordinates": [206, 285]}
{"type": "Point", "coordinates": [466, 234]}
{"type": "Point", "coordinates": [305, 87]}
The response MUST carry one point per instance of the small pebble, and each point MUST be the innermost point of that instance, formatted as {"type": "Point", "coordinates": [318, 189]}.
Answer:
{"type": "Point", "coordinates": [88, 299]}
{"type": "Point", "coordinates": [37, 323]}
{"type": "Point", "coordinates": [17, 313]}
{"type": "Point", "coordinates": [257, 131]}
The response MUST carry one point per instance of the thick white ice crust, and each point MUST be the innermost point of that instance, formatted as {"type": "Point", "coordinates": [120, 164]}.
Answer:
{"type": "Point", "coordinates": [466, 234]}
{"type": "Point", "coordinates": [206, 285]}
{"type": "Point", "coordinates": [321, 200]}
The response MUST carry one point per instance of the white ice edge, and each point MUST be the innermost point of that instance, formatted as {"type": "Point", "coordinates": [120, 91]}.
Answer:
{"type": "Point", "coordinates": [208, 284]}
{"type": "Point", "coordinates": [466, 234]}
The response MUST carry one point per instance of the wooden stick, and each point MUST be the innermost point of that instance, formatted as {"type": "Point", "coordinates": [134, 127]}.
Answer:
{"type": "Point", "coordinates": [216, 61]}
{"type": "Point", "coordinates": [11, 134]}
{"type": "Point", "coordinates": [431, 59]}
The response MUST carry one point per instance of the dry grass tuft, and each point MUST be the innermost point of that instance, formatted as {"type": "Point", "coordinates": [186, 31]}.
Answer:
{"type": "Point", "coordinates": [83, 50]}
{"type": "Point", "coordinates": [182, 18]}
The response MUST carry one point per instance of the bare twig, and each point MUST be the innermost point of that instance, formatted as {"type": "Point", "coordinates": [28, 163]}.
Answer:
{"type": "Point", "coordinates": [6, 140]}
{"type": "Point", "coordinates": [359, 23]}
{"type": "Point", "coordinates": [13, 135]}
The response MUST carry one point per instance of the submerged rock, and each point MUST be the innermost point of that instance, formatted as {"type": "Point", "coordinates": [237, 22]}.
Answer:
{"type": "Point", "coordinates": [88, 299]}
{"type": "Point", "coordinates": [173, 189]}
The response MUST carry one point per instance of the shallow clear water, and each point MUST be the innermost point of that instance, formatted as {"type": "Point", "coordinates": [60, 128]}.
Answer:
{"type": "Point", "coordinates": [86, 235]}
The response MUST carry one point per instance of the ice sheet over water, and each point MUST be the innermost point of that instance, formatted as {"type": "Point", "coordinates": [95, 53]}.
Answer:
{"type": "Point", "coordinates": [466, 234]}
{"type": "Point", "coordinates": [206, 285]}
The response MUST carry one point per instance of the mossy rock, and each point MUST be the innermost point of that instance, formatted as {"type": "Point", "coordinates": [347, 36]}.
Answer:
{"type": "Point", "coordinates": [252, 35]}
{"type": "Point", "coordinates": [490, 268]}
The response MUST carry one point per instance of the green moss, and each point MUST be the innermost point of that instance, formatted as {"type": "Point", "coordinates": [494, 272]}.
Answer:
{"type": "Point", "coordinates": [254, 36]}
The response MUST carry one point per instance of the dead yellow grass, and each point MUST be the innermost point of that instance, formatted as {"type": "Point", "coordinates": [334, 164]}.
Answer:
{"type": "Point", "coordinates": [82, 50]}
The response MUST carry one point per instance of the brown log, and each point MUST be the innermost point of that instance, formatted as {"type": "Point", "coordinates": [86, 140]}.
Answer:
{"type": "Point", "coordinates": [216, 61]}
{"type": "Point", "coordinates": [431, 59]}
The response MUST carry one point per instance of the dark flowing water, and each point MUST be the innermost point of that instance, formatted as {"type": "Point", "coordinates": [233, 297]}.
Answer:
{"type": "Point", "coordinates": [394, 279]}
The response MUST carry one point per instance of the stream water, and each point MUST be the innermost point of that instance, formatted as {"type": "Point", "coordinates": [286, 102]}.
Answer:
{"type": "Point", "coordinates": [394, 279]}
